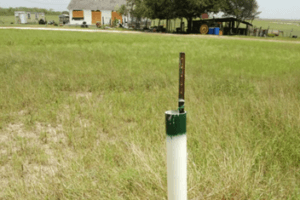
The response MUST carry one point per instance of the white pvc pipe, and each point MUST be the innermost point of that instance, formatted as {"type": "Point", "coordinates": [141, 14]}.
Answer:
{"type": "Point", "coordinates": [177, 167]}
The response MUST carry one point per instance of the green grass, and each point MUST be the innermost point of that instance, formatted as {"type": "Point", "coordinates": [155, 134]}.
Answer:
{"type": "Point", "coordinates": [82, 116]}
{"type": "Point", "coordinates": [283, 25]}
{"type": "Point", "coordinates": [6, 20]}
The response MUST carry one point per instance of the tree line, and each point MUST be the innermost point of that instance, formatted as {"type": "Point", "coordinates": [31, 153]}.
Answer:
{"type": "Point", "coordinates": [190, 9]}
{"type": "Point", "coordinates": [10, 11]}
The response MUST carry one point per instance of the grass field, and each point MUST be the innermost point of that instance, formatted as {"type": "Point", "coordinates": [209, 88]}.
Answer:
{"type": "Point", "coordinates": [82, 116]}
{"type": "Point", "coordinates": [289, 27]}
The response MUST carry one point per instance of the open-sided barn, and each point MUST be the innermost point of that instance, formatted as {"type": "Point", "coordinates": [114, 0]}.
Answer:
{"type": "Point", "coordinates": [93, 11]}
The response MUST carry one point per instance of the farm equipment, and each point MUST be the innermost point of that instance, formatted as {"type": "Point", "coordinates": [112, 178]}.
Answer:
{"type": "Point", "coordinates": [202, 26]}
{"type": "Point", "coordinates": [84, 25]}
{"type": "Point", "coordinates": [64, 19]}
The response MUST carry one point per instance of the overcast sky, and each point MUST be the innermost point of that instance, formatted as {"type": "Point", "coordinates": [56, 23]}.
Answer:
{"type": "Point", "coordinates": [287, 9]}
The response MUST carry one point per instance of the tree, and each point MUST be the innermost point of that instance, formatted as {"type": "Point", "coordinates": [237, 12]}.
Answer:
{"type": "Point", "coordinates": [190, 9]}
{"type": "Point", "coordinates": [254, 16]}
{"type": "Point", "coordinates": [123, 10]}
{"type": "Point", "coordinates": [241, 9]}
{"type": "Point", "coordinates": [134, 8]}
{"type": "Point", "coordinates": [65, 12]}
{"type": "Point", "coordinates": [160, 9]}
{"type": "Point", "coordinates": [137, 9]}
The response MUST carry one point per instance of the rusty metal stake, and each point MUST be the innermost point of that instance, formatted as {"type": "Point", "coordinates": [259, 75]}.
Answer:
{"type": "Point", "coordinates": [181, 82]}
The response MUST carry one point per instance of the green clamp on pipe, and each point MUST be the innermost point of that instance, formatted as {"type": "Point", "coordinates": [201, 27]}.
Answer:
{"type": "Point", "coordinates": [175, 122]}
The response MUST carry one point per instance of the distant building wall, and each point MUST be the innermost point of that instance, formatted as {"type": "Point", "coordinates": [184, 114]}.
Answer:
{"type": "Point", "coordinates": [23, 17]}
{"type": "Point", "coordinates": [87, 17]}
{"type": "Point", "coordinates": [106, 17]}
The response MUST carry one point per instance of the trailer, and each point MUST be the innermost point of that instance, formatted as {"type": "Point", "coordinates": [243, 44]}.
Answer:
{"type": "Point", "coordinates": [24, 17]}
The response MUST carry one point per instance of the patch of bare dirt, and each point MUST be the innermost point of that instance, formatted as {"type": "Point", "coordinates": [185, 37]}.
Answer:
{"type": "Point", "coordinates": [44, 137]}
{"type": "Point", "coordinates": [86, 95]}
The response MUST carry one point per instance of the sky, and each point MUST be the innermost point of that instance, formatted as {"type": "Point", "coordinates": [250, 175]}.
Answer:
{"type": "Point", "coordinates": [272, 9]}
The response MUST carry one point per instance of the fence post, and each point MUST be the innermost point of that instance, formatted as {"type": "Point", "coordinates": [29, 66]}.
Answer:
{"type": "Point", "coordinates": [177, 143]}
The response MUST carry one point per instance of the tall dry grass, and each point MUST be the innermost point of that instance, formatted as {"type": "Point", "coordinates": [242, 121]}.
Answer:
{"type": "Point", "coordinates": [82, 116]}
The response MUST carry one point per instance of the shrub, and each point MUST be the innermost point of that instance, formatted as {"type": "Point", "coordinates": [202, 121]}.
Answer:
{"type": "Point", "coordinates": [271, 35]}
{"type": "Point", "coordinates": [41, 21]}
{"type": "Point", "coordinates": [98, 24]}
{"type": "Point", "coordinates": [115, 22]}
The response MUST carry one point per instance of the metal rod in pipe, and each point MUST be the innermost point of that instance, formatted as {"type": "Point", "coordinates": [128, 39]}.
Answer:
{"type": "Point", "coordinates": [181, 82]}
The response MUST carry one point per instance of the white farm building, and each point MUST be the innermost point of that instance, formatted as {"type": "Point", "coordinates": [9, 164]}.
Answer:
{"type": "Point", "coordinates": [93, 11]}
{"type": "Point", "coordinates": [24, 17]}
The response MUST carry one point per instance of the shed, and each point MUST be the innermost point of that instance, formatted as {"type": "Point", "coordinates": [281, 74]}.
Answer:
{"type": "Point", "coordinates": [227, 25]}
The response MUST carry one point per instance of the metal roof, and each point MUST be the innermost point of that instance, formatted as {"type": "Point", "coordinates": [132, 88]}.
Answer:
{"type": "Point", "coordinates": [227, 19]}
{"type": "Point", "coordinates": [95, 4]}
{"type": "Point", "coordinates": [231, 19]}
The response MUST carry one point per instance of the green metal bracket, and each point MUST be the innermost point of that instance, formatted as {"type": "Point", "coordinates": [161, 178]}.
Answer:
{"type": "Point", "coordinates": [175, 123]}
